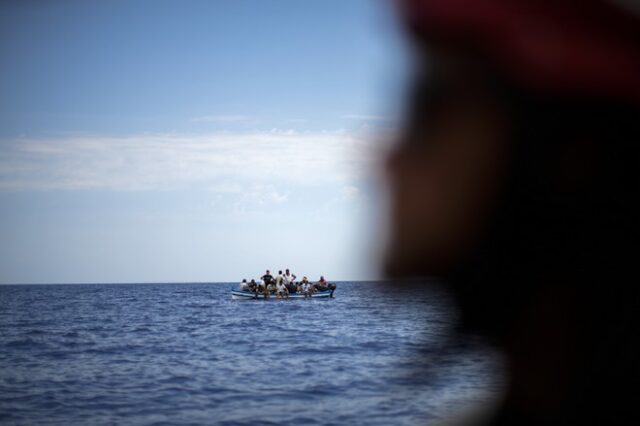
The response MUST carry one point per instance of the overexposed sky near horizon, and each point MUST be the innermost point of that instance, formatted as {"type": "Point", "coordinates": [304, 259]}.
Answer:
{"type": "Point", "coordinates": [170, 141]}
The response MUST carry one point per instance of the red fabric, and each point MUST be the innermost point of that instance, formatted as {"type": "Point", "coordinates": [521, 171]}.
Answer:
{"type": "Point", "coordinates": [582, 47]}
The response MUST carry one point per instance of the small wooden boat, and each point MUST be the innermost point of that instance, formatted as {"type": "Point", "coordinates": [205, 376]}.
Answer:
{"type": "Point", "coordinates": [248, 295]}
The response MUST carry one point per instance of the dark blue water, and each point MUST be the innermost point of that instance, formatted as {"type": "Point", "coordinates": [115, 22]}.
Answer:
{"type": "Point", "coordinates": [188, 354]}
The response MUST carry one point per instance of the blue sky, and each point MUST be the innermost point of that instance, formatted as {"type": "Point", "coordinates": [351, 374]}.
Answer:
{"type": "Point", "coordinates": [146, 141]}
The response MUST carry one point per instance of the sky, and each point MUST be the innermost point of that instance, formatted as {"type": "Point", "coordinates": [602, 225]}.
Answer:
{"type": "Point", "coordinates": [193, 141]}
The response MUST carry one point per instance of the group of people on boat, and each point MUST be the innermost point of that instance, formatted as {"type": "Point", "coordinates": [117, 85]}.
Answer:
{"type": "Point", "coordinates": [282, 285]}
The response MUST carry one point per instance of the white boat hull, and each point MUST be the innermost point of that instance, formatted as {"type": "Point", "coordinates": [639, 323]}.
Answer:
{"type": "Point", "coordinates": [247, 295]}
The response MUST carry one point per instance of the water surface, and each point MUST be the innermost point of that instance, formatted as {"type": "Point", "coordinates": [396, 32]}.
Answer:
{"type": "Point", "coordinates": [188, 354]}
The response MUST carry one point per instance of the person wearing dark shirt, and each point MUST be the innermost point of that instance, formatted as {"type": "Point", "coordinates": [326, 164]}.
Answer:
{"type": "Point", "coordinates": [267, 278]}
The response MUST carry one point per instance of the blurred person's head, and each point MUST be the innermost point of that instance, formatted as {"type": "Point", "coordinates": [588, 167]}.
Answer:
{"type": "Point", "coordinates": [515, 176]}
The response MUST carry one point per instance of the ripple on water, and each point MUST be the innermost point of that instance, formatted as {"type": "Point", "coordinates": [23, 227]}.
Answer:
{"type": "Point", "coordinates": [187, 354]}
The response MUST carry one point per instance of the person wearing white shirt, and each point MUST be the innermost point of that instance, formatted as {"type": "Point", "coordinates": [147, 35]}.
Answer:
{"type": "Point", "coordinates": [288, 277]}
{"type": "Point", "coordinates": [289, 280]}
{"type": "Point", "coordinates": [281, 289]}
{"type": "Point", "coordinates": [279, 278]}
{"type": "Point", "coordinates": [244, 286]}
{"type": "Point", "coordinates": [307, 288]}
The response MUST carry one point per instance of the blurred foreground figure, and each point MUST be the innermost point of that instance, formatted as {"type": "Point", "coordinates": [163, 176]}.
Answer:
{"type": "Point", "coordinates": [516, 180]}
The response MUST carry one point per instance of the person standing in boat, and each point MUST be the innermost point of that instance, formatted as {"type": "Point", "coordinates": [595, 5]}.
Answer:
{"type": "Point", "coordinates": [267, 278]}
{"type": "Point", "coordinates": [289, 281]}
{"type": "Point", "coordinates": [279, 278]}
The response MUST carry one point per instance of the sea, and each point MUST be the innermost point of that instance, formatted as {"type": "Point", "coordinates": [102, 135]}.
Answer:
{"type": "Point", "coordinates": [187, 354]}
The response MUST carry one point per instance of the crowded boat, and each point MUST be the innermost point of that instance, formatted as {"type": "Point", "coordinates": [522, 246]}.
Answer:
{"type": "Point", "coordinates": [283, 286]}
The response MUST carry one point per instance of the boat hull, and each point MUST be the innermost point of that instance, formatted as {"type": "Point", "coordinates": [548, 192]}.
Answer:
{"type": "Point", "coordinates": [247, 295]}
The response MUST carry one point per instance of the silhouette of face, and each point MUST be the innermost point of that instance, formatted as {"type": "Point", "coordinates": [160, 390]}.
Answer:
{"type": "Point", "coordinates": [445, 171]}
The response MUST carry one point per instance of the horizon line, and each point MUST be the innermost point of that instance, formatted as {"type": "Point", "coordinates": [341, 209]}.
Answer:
{"type": "Point", "coordinates": [168, 282]}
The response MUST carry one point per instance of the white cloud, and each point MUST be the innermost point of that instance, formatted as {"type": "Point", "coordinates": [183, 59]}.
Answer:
{"type": "Point", "coordinates": [261, 194]}
{"type": "Point", "coordinates": [221, 162]}
{"type": "Point", "coordinates": [225, 188]}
